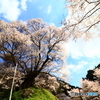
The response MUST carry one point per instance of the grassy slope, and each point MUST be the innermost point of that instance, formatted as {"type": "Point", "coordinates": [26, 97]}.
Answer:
{"type": "Point", "coordinates": [39, 94]}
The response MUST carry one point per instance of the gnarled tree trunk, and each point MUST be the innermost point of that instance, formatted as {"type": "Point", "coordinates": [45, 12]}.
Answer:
{"type": "Point", "coordinates": [29, 80]}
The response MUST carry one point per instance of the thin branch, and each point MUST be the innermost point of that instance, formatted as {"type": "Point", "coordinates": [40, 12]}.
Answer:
{"type": "Point", "coordinates": [92, 13]}
{"type": "Point", "coordinates": [85, 16]}
{"type": "Point", "coordinates": [92, 1]}
{"type": "Point", "coordinates": [92, 25]}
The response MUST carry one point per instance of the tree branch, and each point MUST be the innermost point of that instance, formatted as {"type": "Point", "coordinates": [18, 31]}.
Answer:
{"type": "Point", "coordinates": [92, 25]}
{"type": "Point", "coordinates": [92, 2]}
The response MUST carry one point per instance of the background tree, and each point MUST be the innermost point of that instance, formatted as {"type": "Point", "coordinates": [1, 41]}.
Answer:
{"type": "Point", "coordinates": [83, 18]}
{"type": "Point", "coordinates": [13, 45]}
{"type": "Point", "coordinates": [6, 77]}
{"type": "Point", "coordinates": [89, 85]}
{"type": "Point", "coordinates": [90, 75]}
{"type": "Point", "coordinates": [34, 45]}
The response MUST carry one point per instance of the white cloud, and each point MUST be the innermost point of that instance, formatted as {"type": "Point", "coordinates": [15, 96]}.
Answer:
{"type": "Point", "coordinates": [49, 9]}
{"type": "Point", "coordinates": [82, 48]}
{"type": "Point", "coordinates": [91, 67]}
{"type": "Point", "coordinates": [23, 4]}
{"type": "Point", "coordinates": [52, 24]}
{"type": "Point", "coordinates": [10, 8]}
{"type": "Point", "coordinates": [78, 67]}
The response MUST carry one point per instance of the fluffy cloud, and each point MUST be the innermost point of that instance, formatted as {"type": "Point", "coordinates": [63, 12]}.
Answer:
{"type": "Point", "coordinates": [78, 67]}
{"type": "Point", "coordinates": [49, 9]}
{"type": "Point", "coordinates": [52, 24]}
{"type": "Point", "coordinates": [10, 8]}
{"type": "Point", "coordinates": [82, 48]}
{"type": "Point", "coordinates": [23, 4]}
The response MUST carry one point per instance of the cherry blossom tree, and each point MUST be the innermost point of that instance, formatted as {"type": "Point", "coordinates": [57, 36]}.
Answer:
{"type": "Point", "coordinates": [14, 45]}
{"type": "Point", "coordinates": [6, 77]}
{"type": "Point", "coordinates": [34, 46]}
{"type": "Point", "coordinates": [92, 86]}
{"type": "Point", "coordinates": [46, 54]}
{"type": "Point", "coordinates": [83, 18]}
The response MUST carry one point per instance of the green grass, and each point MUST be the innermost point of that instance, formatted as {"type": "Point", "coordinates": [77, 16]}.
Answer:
{"type": "Point", "coordinates": [38, 94]}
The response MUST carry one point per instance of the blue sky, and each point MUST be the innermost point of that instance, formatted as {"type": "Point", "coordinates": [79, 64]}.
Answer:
{"type": "Point", "coordinates": [52, 11]}
{"type": "Point", "coordinates": [82, 55]}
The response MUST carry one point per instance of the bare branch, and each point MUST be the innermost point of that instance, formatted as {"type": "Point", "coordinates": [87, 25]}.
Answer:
{"type": "Point", "coordinates": [91, 2]}
{"type": "Point", "coordinates": [82, 16]}
{"type": "Point", "coordinates": [92, 25]}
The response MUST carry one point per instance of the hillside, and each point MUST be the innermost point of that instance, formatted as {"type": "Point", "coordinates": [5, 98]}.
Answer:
{"type": "Point", "coordinates": [46, 81]}
{"type": "Point", "coordinates": [33, 93]}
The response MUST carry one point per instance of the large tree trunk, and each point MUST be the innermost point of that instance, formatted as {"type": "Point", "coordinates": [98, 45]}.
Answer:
{"type": "Point", "coordinates": [29, 80]}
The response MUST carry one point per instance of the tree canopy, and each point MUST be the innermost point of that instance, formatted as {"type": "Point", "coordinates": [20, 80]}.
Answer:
{"type": "Point", "coordinates": [83, 18]}
{"type": "Point", "coordinates": [33, 45]}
